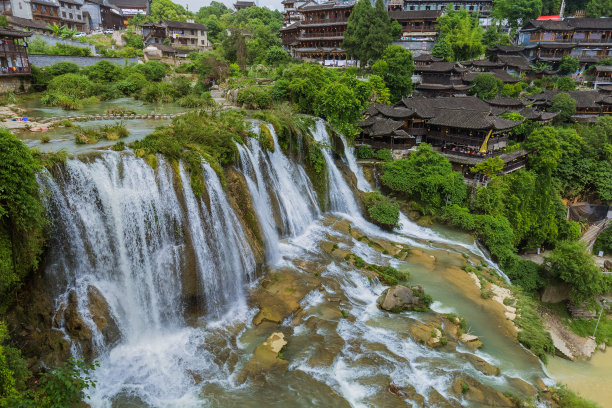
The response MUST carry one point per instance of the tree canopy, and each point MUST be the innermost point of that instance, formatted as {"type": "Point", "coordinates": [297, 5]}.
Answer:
{"type": "Point", "coordinates": [564, 104]}
{"type": "Point", "coordinates": [368, 31]}
{"type": "Point", "coordinates": [516, 12]}
{"type": "Point", "coordinates": [462, 31]}
{"type": "Point", "coordinates": [396, 67]}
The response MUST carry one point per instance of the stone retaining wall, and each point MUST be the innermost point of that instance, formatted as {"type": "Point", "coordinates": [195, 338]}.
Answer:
{"type": "Point", "coordinates": [46, 60]}
{"type": "Point", "coordinates": [85, 118]}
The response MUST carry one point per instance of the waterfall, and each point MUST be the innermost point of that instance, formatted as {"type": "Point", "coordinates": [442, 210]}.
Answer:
{"type": "Point", "coordinates": [349, 154]}
{"type": "Point", "coordinates": [275, 181]}
{"type": "Point", "coordinates": [341, 197]}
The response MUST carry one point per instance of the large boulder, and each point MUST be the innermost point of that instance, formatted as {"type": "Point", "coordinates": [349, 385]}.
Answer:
{"type": "Point", "coordinates": [481, 364]}
{"type": "Point", "coordinates": [555, 293]}
{"type": "Point", "coordinates": [399, 298]}
{"type": "Point", "coordinates": [476, 392]}
{"type": "Point", "coordinates": [266, 360]}
{"type": "Point", "coordinates": [102, 317]}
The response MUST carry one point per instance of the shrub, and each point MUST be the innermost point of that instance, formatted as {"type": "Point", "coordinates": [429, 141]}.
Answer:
{"type": "Point", "coordinates": [73, 85]}
{"type": "Point", "coordinates": [384, 155]}
{"type": "Point", "coordinates": [182, 85]}
{"type": "Point", "coordinates": [532, 333]}
{"type": "Point", "coordinates": [115, 132]}
{"type": "Point", "coordinates": [22, 215]}
{"type": "Point", "coordinates": [63, 67]}
{"type": "Point", "coordinates": [194, 101]}
{"type": "Point", "coordinates": [157, 92]}
{"type": "Point", "coordinates": [604, 242]}
{"type": "Point", "coordinates": [381, 210]}
{"type": "Point", "coordinates": [104, 71]}
{"type": "Point", "coordinates": [568, 399]}
{"type": "Point", "coordinates": [132, 84]}
{"type": "Point", "coordinates": [254, 97]}
{"type": "Point", "coordinates": [62, 100]}
{"type": "Point", "coordinates": [364, 152]}
{"type": "Point", "coordinates": [153, 70]}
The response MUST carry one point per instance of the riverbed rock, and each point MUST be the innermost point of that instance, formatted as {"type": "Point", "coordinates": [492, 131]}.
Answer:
{"type": "Point", "coordinates": [471, 341]}
{"type": "Point", "coordinates": [428, 334]}
{"type": "Point", "coordinates": [102, 317]}
{"type": "Point", "coordinates": [437, 400]}
{"type": "Point", "coordinates": [522, 386]}
{"type": "Point", "coordinates": [567, 343]}
{"type": "Point", "coordinates": [482, 365]}
{"type": "Point", "coordinates": [279, 294]}
{"type": "Point", "coordinates": [76, 328]}
{"type": "Point", "coordinates": [265, 360]}
{"type": "Point", "coordinates": [476, 392]}
{"type": "Point", "coordinates": [399, 298]}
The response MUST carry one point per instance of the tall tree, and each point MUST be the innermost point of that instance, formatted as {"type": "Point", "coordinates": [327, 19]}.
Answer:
{"type": "Point", "coordinates": [517, 12]}
{"type": "Point", "coordinates": [463, 33]}
{"type": "Point", "coordinates": [368, 31]}
{"type": "Point", "coordinates": [442, 49]}
{"type": "Point", "coordinates": [599, 8]}
{"type": "Point", "coordinates": [397, 73]}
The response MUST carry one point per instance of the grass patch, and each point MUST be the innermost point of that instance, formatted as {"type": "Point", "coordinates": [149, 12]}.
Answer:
{"type": "Point", "coordinates": [569, 399]}
{"type": "Point", "coordinates": [585, 328]}
{"type": "Point", "coordinates": [531, 327]}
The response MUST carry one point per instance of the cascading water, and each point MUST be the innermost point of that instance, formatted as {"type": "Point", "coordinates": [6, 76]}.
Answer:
{"type": "Point", "coordinates": [135, 233]}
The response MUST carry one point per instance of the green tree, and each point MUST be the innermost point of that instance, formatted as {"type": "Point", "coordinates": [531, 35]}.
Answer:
{"type": "Point", "coordinates": [396, 30]}
{"type": "Point", "coordinates": [566, 83]}
{"type": "Point", "coordinates": [599, 8]}
{"type": "Point", "coordinates": [544, 149]}
{"type": "Point", "coordinates": [489, 168]}
{"type": "Point", "coordinates": [166, 9]}
{"type": "Point", "coordinates": [3, 21]}
{"type": "Point", "coordinates": [368, 31]}
{"type": "Point", "coordinates": [463, 33]}
{"type": "Point", "coordinates": [426, 176]}
{"type": "Point", "coordinates": [568, 65]}
{"type": "Point", "coordinates": [443, 49]}
{"type": "Point", "coordinates": [276, 56]}
{"type": "Point", "coordinates": [564, 104]}
{"type": "Point", "coordinates": [486, 86]}
{"type": "Point", "coordinates": [338, 104]}
{"type": "Point", "coordinates": [571, 263]}
{"type": "Point", "coordinates": [517, 12]}
{"type": "Point", "coordinates": [398, 72]}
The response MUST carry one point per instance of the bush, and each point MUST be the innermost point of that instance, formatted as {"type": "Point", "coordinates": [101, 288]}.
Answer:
{"type": "Point", "coordinates": [381, 210]}
{"type": "Point", "coordinates": [153, 70]}
{"type": "Point", "coordinates": [384, 155]}
{"type": "Point", "coordinates": [62, 100]}
{"type": "Point", "coordinates": [156, 92]}
{"type": "Point", "coordinates": [132, 84]}
{"type": "Point", "coordinates": [364, 152]}
{"type": "Point", "coordinates": [22, 215]}
{"type": "Point", "coordinates": [532, 333]}
{"type": "Point", "coordinates": [568, 399]}
{"type": "Point", "coordinates": [61, 68]}
{"type": "Point", "coordinates": [254, 97]}
{"type": "Point", "coordinates": [104, 71]}
{"type": "Point", "coordinates": [194, 101]}
{"type": "Point", "coordinates": [604, 242]}
{"type": "Point", "coordinates": [72, 85]}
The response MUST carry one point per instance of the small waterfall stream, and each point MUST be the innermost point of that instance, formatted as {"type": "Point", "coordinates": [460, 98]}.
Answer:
{"type": "Point", "coordinates": [147, 241]}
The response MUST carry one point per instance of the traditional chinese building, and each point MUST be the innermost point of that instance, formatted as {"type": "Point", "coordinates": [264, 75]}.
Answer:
{"type": "Point", "coordinates": [239, 5]}
{"type": "Point", "coordinates": [464, 129]}
{"type": "Point", "coordinates": [418, 28]}
{"type": "Point", "coordinates": [46, 10]}
{"type": "Point", "coordinates": [180, 34]}
{"type": "Point", "coordinates": [319, 35]}
{"type": "Point", "coordinates": [589, 104]}
{"type": "Point", "coordinates": [602, 76]}
{"type": "Point", "coordinates": [14, 62]}
{"type": "Point", "coordinates": [588, 39]}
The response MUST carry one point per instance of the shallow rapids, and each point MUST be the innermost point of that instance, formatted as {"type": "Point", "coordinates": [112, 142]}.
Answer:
{"type": "Point", "coordinates": [179, 277]}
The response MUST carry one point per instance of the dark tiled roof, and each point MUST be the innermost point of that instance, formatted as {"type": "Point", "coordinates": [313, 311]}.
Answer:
{"type": "Point", "coordinates": [427, 58]}
{"type": "Point", "coordinates": [471, 119]}
{"type": "Point", "coordinates": [443, 87]}
{"type": "Point", "coordinates": [137, 4]}
{"type": "Point", "coordinates": [325, 6]}
{"type": "Point", "coordinates": [483, 64]}
{"type": "Point", "coordinates": [383, 127]}
{"type": "Point", "coordinates": [515, 61]}
{"type": "Point", "coordinates": [164, 48]}
{"type": "Point", "coordinates": [603, 68]}
{"type": "Point", "coordinates": [461, 159]}
{"type": "Point", "coordinates": [183, 24]}
{"type": "Point", "coordinates": [605, 88]}
{"type": "Point", "coordinates": [13, 33]}
{"type": "Point", "coordinates": [244, 4]}
{"type": "Point", "coordinates": [586, 99]}
{"type": "Point", "coordinates": [394, 112]}
{"type": "Point", "coordinates": [26, 23]}
{"type": "Point", "coordinates": [607, 100]}
{"type": "Point", "coordinates": [437, 67]}
{"type": "Point", "coordinates": [500, 101]}
{"type": "Point", "coordinates": [291, 27]}
{"type": "Point", "coordinates": [591, 23]}
{"type": "Point", "coordinates": [552, 46]}
{"type": "Point", "coordinates": [500, 74]}
{"type": "Point", "coordinates": [549, 25]}
{"type": "Point", "coordinates": [414, 14]}
{"type": "Point", "coordinates": [506, 48]}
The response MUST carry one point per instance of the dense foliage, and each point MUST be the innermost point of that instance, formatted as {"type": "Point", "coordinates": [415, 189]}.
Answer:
{"type": "Point", "coordinates": [462, 32]}
{"type": "Point", "coordinates": [368, 31]}
{"type": "Point", "coordinates": [22, 215]}
{"type": "Point", "coordinates": [381, 210]}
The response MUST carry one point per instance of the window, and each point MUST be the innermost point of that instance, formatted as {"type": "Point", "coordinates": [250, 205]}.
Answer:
{"type": "Point", "coordinates": [34, 7]}
{"type": "Point", "coordinates": [64, 14]}
{"type": "Point", "coordinates": [70, 16]}
{"type": "Point", "coordinates": [78, 16]}
{"type": "Point", "coordinates": [43, 9]}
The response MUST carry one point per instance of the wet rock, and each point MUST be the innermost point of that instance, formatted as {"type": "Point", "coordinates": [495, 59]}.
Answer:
{"type": "Point", "coordinates": [471, 341]}
{"type": "Point", "coordinates": [399, 298]}
{"type": "Point", "coordinates": [523, 387]}
{"type": "Point", "coordinates": [437, 400]}
{"type": "Point", "coordinates": [101, 315]}
{"type": "Point", "coordinates": [427, 333]}
{"type": "Point", "coordinates": [476, 392]}
{"type": "Point", "coordinates": [76, 328]}
{"type": "Point", "coordinates": [265, 360]}
{"type": "Point", "coordinates": [280, 293]}
{"type": "Point", "coordinates": [481, 364]}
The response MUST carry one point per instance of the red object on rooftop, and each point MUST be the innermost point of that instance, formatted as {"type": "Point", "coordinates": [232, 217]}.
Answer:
{"type": "Point", "coordinates": [552, 18]}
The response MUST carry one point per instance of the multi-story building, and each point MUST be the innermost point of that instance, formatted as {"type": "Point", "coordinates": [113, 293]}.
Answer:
{"type": "Point", "coordinates": [588, 39]}
{"type": "Point", "coordinates": [71, 14]}
{"type": "Point", "coordinates": [482, 7]}
{"type": "Point", "coordinates": [102, 14]}
{"type": "Point", "coordinates": [16, 8]}
{"type": "Point", "coordinates": [46, 10]}
{"type": "Point", "coordinates": [418, 28]}
{"type": "Point", "coordinates": [291, 10]}
{"type": "Point", "coordinates": [130, 8]}
{"type": "Point", "coordinates": [180, 34]}
{"type": "Point", "coordinates": [13, 53]}
{"type": "Point", "coordinates": [319, 35]}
